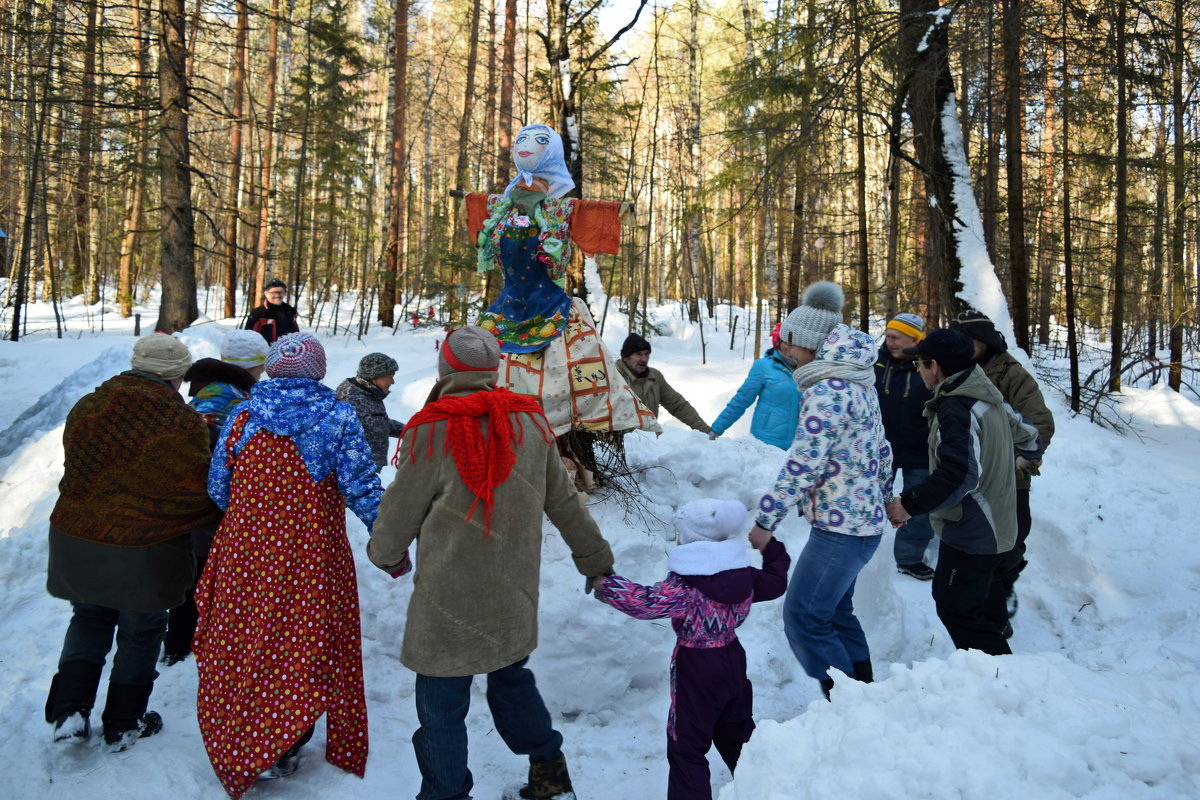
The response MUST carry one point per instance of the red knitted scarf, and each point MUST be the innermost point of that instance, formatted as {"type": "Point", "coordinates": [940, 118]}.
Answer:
{"type": "Point", "coordinates": [483, 462]}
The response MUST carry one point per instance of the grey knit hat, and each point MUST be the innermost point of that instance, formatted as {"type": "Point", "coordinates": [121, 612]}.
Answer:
{"type": "Point", "coordinates": [820, 310]}
{"type": "Point", "coordinates": [161, 355]}
{"type": "Point", "coordinates": [376, 365]}
{"type": "Point", "coordinates": [468, 349]}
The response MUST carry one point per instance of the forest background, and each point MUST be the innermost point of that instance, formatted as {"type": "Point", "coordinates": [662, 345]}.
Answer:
{"type": "Point", "coordinates": [217, 143]}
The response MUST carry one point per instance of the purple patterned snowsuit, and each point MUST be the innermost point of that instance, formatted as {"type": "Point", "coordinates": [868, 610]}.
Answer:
{"type": "Point", "coordinates": [711, 697]}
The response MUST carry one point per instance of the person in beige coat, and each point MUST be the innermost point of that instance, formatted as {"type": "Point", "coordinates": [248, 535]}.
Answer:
{"type": "Point", "coordinates": [478, 467]}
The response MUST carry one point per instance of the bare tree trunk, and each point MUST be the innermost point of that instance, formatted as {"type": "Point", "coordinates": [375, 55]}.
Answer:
{"type": "Point", "coordinates": [1122, 212]}
{"type": "Point", "coordinates": [178, 308]}
{"type": "Point", "coordinates": [892, 281]}
{"type": "Point", "coordinates": [1068, 245]}
{"type": "Point", "coordinates": [80, 249]}
{"type": "Point", "coordinates": [38, 110]}
{"type": "Point", "coordinates": [508, 65]}
{"type": "Point", "coordinates": [233, 212]}
{"type": "Point", "coordinates": [1179, 271]}
{"type": "Point", "coordinates": [461, 179]}
{"type": "Point", "coordinates": [133, 220]}
{"type": "Point", "coordinates": [1154, 304]}
{"type": "Point", "coordinates": [1047, 229]}
{"type": "Point", "coordinates": [488, 151]}
{"type": "Point", "coordinates": [398, 185]}
{"type": "Point", "coordinates": [266, 183]}
{"type": "Point", "coordinates": [860, 182]}
{"type": "Point", "coordinates": [1018, 265]}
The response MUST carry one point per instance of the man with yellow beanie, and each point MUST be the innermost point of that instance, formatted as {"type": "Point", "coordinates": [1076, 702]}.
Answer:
{"type": "Point", "coordinates": [902, 398]}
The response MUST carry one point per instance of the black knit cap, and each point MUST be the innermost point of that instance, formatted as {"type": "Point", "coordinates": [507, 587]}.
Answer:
{"type": "Point", "coordinates": [634, 344]}
{"type": "Point", "coordinates": [979, 327]}
{"type": "Point", "coordinates": [274, 283]}
{"type": "Point", "coordinates": [952, 350]}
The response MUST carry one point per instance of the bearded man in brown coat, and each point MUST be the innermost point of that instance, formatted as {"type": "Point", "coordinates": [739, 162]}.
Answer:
{"type": "Point", "coordinates": [134, 487]}
{"type": "Point", "coordinates": [477, 469]}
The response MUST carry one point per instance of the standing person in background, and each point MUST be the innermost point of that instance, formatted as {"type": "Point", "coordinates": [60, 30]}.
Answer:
{"type": "Point", "coordinates": [770, 387]}
{"type": "Point", "coordinates": [970, 494]}
{"type": "Point", "coordinates": [132, 491]}
{"type": "Point", "coordinates": [1020, 390]}
{"type": "Point", "coordinates": [839, 471]}
{"type": "Point", "coordinates": [278, 641]}
{"type": "Point", "coordinates": [216, 387]}
{"type": "Point", "coordinates": [902, 398]}
{"type": "Point", "coordinates": [365, 393]}
{"type": "Point", "coordinates": [274, 318]}
{"type": "Point", "coordinates": [651, 387]}
{"type": "Point", "coordinates": [478, 469]}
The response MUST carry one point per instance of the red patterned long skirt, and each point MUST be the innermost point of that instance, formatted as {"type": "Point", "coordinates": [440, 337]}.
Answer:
{"type": "Point", "coordinates": [278, 640]}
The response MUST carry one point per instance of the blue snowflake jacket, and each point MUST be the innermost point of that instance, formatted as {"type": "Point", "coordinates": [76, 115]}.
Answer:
{"type": "Point", "coordinates": [326, 432]}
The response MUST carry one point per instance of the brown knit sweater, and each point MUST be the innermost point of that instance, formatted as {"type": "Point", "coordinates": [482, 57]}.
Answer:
{"type": "Point", "coordinates": [136, 466]}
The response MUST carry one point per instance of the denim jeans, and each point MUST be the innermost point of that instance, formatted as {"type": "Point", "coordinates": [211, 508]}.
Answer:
{"type": "Point", "coordinates": [818, 612]}
{"type": "Point", "coordinates": [440, 743]}
{"type": "Point", "coordinates": [912, 539]}
{"type": "Point", "coordinates": [139, 634]}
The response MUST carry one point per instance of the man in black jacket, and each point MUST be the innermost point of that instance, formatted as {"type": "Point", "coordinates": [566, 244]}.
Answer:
{"type": "Point", "coordinates": [274, 318]}
{"type": "Point", "coordinates": [902, 398]}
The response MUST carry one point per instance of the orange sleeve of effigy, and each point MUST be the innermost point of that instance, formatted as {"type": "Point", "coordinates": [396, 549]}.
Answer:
{"type": "Point", "coordinates": [596, 226]}
{"type": "Point", "coordinates": [476, 213]}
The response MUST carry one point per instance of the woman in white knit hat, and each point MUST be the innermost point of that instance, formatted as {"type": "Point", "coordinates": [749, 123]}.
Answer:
{"type": "Point", "coordinates": [839, 472]}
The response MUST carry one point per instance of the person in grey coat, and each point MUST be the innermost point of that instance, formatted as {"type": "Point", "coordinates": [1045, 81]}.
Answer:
{"type": "Point", "coordinates": [134, 487]}
{"type": "Point", "coordinates": [365, 392]}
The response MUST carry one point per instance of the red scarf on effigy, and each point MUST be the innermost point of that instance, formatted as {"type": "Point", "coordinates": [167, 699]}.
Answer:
{"type": "Point", "coordinates": [483, 462]}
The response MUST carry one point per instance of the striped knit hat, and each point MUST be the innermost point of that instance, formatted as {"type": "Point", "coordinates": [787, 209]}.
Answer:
{"type": "Point", "coordinates": [910, 325]}
{"type": "Point", "coordinates": [296, 355]}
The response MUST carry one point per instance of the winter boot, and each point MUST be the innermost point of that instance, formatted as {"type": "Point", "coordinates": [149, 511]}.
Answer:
{"type": "Point", "coordinates": [69, 703]}
{"type": "Point", "coordinates": [548, 780]}
{"type": "Point", "coordinates": [826, 687]}
{"type": "Point", "coordinates": [863, 671]}
{"type": "Point", "coordinates": [289, 762]}
{"type": "Point", "coordinates": [125, 716]}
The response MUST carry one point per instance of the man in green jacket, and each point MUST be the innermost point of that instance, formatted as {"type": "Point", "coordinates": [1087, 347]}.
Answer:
{"type": "Point", "coordinates": [970, 492]}
{"type": "Point", "coordinates": [1020, 390]}
{"type": "Point", "coordinates": [651, 387]}
{"type": "Point", "coordinates": [478, 467]}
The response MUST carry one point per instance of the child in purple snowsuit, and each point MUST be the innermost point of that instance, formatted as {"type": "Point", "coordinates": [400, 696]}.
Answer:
{"type": "Point", "coordinates": [707, 594]}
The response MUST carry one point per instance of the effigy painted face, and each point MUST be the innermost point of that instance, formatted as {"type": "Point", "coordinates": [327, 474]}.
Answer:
{"type": "Point", "coordinates": [529, 148]}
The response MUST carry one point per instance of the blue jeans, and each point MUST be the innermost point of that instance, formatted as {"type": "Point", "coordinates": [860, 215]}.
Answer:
{"type": "Point", "coordinates": [912, 539]}
{"type": "Point", "coordinates": [440, 743]}
{"type": "Point", "coordinates": [818, 612]}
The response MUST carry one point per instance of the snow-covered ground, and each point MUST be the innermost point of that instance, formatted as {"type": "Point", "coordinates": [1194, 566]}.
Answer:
{"type": "Point", "coordinates": [1100, 700]}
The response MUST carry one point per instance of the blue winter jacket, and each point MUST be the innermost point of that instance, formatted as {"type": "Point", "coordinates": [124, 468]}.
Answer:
{"type": "Point", "coordinates": [325, 430]}
{"type": "Point", "coordinates": [777, 411]}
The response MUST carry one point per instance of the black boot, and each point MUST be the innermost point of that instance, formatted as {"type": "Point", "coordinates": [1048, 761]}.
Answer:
{"type": "Point", "coordinates": [826, 686]}
{"type": "Point", "coordinates": [863, 671]}
{"type": "Point", "coordinates": [548, 780]}
{"type": "Point", "coordinates": [125, 716]}
{"type": "Point", "coordinates": [69, 703]}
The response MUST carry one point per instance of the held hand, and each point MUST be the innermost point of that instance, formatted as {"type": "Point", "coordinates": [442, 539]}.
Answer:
{"type": "Point", "coordinates": [1029, 467]}
{"type": "Point", "coordinates": [896, 513]}
{"type": "Point", "coordinates": [759, 537]}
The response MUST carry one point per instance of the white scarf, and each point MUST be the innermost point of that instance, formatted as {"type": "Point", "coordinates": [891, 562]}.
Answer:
{"type": "Point", "coordinates": [819, 370]}
{"type": "Point", "coordinates": [708, 558]}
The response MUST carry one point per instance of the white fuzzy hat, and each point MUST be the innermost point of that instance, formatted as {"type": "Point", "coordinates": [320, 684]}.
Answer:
{"type": "Point", "coordinates": [710, 520]}
{"type": "Point", "coordinates": [244, 349]}
{"type": "Point", "coordinates": [820, 311]}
